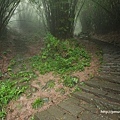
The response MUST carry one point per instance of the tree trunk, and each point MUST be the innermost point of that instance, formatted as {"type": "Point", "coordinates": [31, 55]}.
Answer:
{"type": "Point", "coordinates": [60, 16]}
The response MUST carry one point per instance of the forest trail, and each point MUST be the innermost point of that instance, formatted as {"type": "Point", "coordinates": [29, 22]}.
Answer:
{"type": "Point", "coordinates": [99, 98]}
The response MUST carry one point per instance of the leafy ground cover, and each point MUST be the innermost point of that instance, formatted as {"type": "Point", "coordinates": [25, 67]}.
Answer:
{"type": "Point", "coordinates": [61, 57]}
{"type": "Point", "coordinates": [13, 87]}
{"type": "Point", "coordinates": [47, 78]}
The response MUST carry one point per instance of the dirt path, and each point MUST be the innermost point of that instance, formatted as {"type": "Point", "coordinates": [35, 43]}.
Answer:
{"type": "Point", "coordinates": [21, 109]}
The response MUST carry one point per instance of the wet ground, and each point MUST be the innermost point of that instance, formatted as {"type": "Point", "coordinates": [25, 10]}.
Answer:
{"type": "Point", "coordinates": [19, 48]}
{"type": "Point", "coordinates": [99, 98]}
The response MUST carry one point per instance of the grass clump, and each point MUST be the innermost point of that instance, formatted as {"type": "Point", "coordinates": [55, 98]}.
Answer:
{"type": "Point", "coordinates": [37, 103]}
{"type": "Point", "coordinates": [50, 84]}
{"type": "Point", "coordinates": [13, 87]}
{"type": "Point", "coordinates": [70, 81]}
{"type": "Point", "coordinates": [8, 91]}
{"type": "Point", "coordinates": [61, 57]}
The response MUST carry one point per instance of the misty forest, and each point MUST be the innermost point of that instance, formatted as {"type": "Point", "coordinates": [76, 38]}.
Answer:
{"type": "Point", "coordinates": [51, 50]}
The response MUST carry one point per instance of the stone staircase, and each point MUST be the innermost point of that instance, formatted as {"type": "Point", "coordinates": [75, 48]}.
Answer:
{"type": "Point", "coordinates": [99, 98]}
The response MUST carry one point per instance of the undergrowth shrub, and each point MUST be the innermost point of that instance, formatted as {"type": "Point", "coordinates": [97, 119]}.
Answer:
{"type": "Point", "coordinates": [8, 91]}
{"type": "Point", "coordinates": [61, 56]}
{"type": "Point", "coordinates": [13, 87]}
{"type": "Point", "coordinates": [70, 81]}
{"type": "Point", "coordinates": [37, 103]}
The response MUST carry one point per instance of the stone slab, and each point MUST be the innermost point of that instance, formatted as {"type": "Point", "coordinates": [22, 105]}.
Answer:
{"type": "Point", "coordinates": [104, 85]}
{"type": "Point", "coordinates": [100, 103]}
{"type": "Point", "coordinates": [60, 114]}
{"type": "Point", "coordinates": [72, 108]}
{"type": "Point", "coordinates": [110, 78]}
{"type": "Point", "coordinates": [101, 93]}
{"type": "Point", "coordinates": [45, 115]}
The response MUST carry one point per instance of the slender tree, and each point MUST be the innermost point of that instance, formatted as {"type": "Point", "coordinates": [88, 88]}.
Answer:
{"type": "Point", "coordinates": [7, 8]}
{"type": "Point", "coordinates": [59, 16]}
{"type": "Point", "coordinates": [100, 16]}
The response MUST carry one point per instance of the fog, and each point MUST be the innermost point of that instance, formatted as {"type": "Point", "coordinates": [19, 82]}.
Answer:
{"type": "Point", "coordinates": [28, 19]}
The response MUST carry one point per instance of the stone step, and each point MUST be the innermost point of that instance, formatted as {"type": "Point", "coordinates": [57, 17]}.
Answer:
{"type": "Point", "coordinates": [54, 113]}
{"type": "Point", "coordinates": [79, 108]}
{"type": "Point", "coordinates": [112, 64]}
{"type": "Point", "coordinates": [92, 109]}
{"type": "Point", "coordinates": [112, 61]}
{"type": "Point", "coordinates": [44, 115]}
{"type": "Point", "coordinates": [110, 78]}
{"type": "Point", "coordinates": [101, 93]}
{"type": "Point", "coordinates": [116, 62]}
{"type": "Point", "coordinates": [105, 85]}
{"type": "Point", "coordinates": [60, 114]}
{"type": "Point", "coordinates": [116, 56]}
{"type": "Point", "coordinates": [115, 69]}
{"type": "Point", "coordinates": [116, 51]}
{"type": "Point", "coordinates": [110, 67]}
{"type": "Point", "coordinates": [86, 115]}
{"type": "Point", "coordinates": [111, 73]}
{"type": "Point", "coordinates": [107, 58]}
{"type": "Point", "coordinates": [111, 56]}
{"type": "Point", "coordinates": [112, 53]}
{"type": "Point", "coordinates": [72, 107]}
{"type": "Point", "coordinates": [100, 103]}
